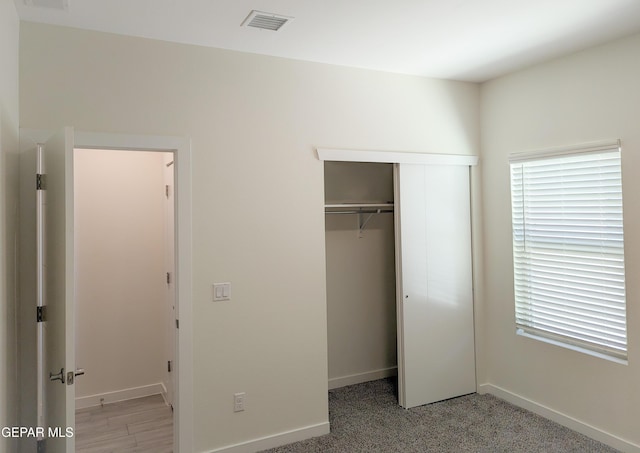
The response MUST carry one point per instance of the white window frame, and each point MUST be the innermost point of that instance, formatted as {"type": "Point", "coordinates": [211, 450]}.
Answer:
{"type": "Point", "coordinates": [568, 248]}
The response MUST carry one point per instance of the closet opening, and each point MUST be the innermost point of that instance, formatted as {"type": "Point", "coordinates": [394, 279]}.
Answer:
{"type": "Point", "coordinates": [361, 272]}
{"type": "Point", "coordinates": [399, 286]}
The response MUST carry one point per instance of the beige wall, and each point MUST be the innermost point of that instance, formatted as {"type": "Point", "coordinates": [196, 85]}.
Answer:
{"type": "Point", "coordinates": [361, 286]}
{"type": "Point", "coordinates": [121, 288]}
{"type": "Point", "coordinates": [589, 96]}
{"type": "Point", "coordinates": [258, 194]}
{"type": "Point", "coordinates": [9, 29]}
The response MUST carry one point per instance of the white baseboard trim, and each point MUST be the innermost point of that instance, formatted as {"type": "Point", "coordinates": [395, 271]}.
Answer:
{"type": "Point", "coordinates": [276, 440]}
{"type": "Point", "coordinates": [359, 378]}
{"type": "Point", "coordinates": [83, 402]}
{"type": "Point", "coordinates": [558, 417]}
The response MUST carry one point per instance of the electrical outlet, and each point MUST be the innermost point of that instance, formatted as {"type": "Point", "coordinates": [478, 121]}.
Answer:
{"type": "Point", "coordinates": [238, 402]}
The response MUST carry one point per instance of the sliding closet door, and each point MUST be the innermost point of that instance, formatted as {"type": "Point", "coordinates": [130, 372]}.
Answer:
{"type": "Point", "coordinates": [436, 358]}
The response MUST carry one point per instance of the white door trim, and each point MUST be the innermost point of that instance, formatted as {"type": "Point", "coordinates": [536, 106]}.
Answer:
{"type": "Point", "coordinates": [394, 157]}
{"type": "Point", "coordinates": [181, 147]}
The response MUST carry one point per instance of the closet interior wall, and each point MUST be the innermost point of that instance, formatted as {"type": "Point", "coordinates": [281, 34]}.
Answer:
{"type": "Point", "coordinates": [361, 285]}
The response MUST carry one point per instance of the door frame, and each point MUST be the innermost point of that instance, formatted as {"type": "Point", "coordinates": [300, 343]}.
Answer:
{"type": "Point", "coordinates": [181, 149]}
{"type": "Point", "coordinates": [169, 256]}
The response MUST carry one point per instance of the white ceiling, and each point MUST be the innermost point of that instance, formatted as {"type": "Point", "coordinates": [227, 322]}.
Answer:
{"type": "Point", "coordinates": [472, 40]}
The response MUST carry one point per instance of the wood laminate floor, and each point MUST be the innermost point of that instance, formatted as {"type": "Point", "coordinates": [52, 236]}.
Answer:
{"type": "Point", "coordinates": [133, 426]}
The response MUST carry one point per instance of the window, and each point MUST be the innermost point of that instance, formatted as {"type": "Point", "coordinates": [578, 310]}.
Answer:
{"type": "Point", "coordinates": [568, 248]}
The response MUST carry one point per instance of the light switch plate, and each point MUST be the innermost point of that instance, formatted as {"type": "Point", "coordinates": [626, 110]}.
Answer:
{"type": "Point", "coordinates": [221, 291]}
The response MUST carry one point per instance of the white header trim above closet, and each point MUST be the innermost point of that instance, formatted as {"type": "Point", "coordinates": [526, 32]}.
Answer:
{"type": "Point", "coordinates": [394, 157]}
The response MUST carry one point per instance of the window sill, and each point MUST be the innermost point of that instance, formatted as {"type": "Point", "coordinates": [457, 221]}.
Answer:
{"type": "Point", "coordinates": [572, 347]}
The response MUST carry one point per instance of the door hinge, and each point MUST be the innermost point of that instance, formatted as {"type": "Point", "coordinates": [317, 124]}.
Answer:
{"type": "Point", "coordinates": [177, 323]}
{"type": "Point", "coordinates": [41, 180]}
{"type": "Point", "coordinates": [169, 366]}
{"type": "Point", "coordinates": [166, 190]}
{"type": "Point", "coordinates": [168, 278]}
{"type": "Point", "coordinates": [40, 314]}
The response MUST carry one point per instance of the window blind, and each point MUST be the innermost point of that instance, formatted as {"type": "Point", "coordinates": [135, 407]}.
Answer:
{"type": "Point", "coordinates": [568, 248]}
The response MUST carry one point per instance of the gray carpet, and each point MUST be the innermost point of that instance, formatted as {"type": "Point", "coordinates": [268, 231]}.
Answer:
{"type": "Point", "coordinates": [366, 418]}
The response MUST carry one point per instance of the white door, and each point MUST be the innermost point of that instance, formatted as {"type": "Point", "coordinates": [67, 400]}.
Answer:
{"type": "Point", "coordinates": [58, 293]}
{"type": "Point", "coordinates": [436, 358]}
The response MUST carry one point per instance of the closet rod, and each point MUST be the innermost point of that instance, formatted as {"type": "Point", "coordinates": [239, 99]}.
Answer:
{"type": "Point", "coordinates": [363, 211]}
{"type": "Point", "coordinates": [388, 205]}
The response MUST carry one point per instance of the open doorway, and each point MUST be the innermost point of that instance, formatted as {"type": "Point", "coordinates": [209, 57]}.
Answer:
{"type": "Point", "coordinates": [125, 298]}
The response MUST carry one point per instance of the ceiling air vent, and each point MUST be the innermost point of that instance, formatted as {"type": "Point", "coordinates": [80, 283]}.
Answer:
{"type": "Point", "coordinates": [62, 5]}
{"type": "Point", "coordinates": [265, 21]}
